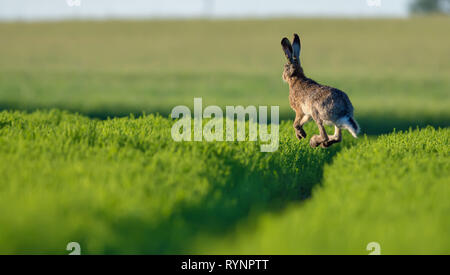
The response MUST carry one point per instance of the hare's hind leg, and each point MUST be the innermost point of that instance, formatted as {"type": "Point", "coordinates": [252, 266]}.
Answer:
{"type": "Point", "coordinates": [337, 137]}
{"type": "Point", "coordinates": [300, 119]}
{"type": "Point", "coordinates": [316, 140]}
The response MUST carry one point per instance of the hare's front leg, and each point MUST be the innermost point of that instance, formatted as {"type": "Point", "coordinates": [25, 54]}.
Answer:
{"type": "Point", "coordinates": [316, 140]}
{"type": "Point", "coordinates": [300, 119]}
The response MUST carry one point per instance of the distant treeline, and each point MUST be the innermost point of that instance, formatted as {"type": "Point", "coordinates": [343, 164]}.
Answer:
{"type": "Point", "coordinates": [430, 6]}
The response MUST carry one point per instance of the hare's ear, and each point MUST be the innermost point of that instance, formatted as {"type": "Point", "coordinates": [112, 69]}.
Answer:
{"type": "Point", "coordinates": [296, 46]}
{"type": "Point", "coordinates": [287, 48]}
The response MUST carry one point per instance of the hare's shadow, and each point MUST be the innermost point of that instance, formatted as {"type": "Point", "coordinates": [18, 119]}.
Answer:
{"type": "Point", "coordinates": [248, 193]}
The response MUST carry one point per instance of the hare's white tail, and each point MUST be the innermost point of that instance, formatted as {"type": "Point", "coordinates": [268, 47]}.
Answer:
{"type": "Point", "coordinates": [350, 124]}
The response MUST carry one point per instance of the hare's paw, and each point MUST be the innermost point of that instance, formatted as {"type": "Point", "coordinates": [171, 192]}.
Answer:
{"type": "Point", "coordinates": [300, 133]}
{"type": "Point", "coordinates": [332, 140]}
{"type": "Point", "coordinates": [315, 141]}
{"type": "Point", "coordinates": [325, 144]}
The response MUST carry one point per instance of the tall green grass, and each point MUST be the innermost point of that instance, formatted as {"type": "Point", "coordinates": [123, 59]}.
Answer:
{"type": "Point", "coordinates": [123, 186]}
{"type": "Point", "coordinates": [393, 190]}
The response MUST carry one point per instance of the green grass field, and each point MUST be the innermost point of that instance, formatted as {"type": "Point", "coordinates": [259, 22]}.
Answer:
{"type": "Point", "coordinates": [391, 190]}
{"type": "Point", "coordinates": [76, 166]}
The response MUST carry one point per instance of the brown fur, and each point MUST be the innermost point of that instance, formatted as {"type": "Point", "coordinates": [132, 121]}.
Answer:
{"type": "Point", "coordinates": [309, 99]}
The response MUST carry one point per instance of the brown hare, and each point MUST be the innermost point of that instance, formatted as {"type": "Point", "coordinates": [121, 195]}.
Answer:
{"type": "Point", "coordinates": [309, 99]}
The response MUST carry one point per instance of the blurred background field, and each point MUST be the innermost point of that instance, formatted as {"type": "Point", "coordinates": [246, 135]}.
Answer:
{"type": "Point", "coordinates": [76, 166]}
{"type": "Point", "coordinates": [395, 70]}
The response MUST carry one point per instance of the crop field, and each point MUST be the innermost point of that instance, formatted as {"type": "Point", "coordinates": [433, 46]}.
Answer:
{"type": "Point", "coordinates": [86, 152]}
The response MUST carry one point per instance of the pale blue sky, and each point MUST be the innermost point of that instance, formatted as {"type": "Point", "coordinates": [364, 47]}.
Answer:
{"type": "Point", "coordinates": [104, 9]}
